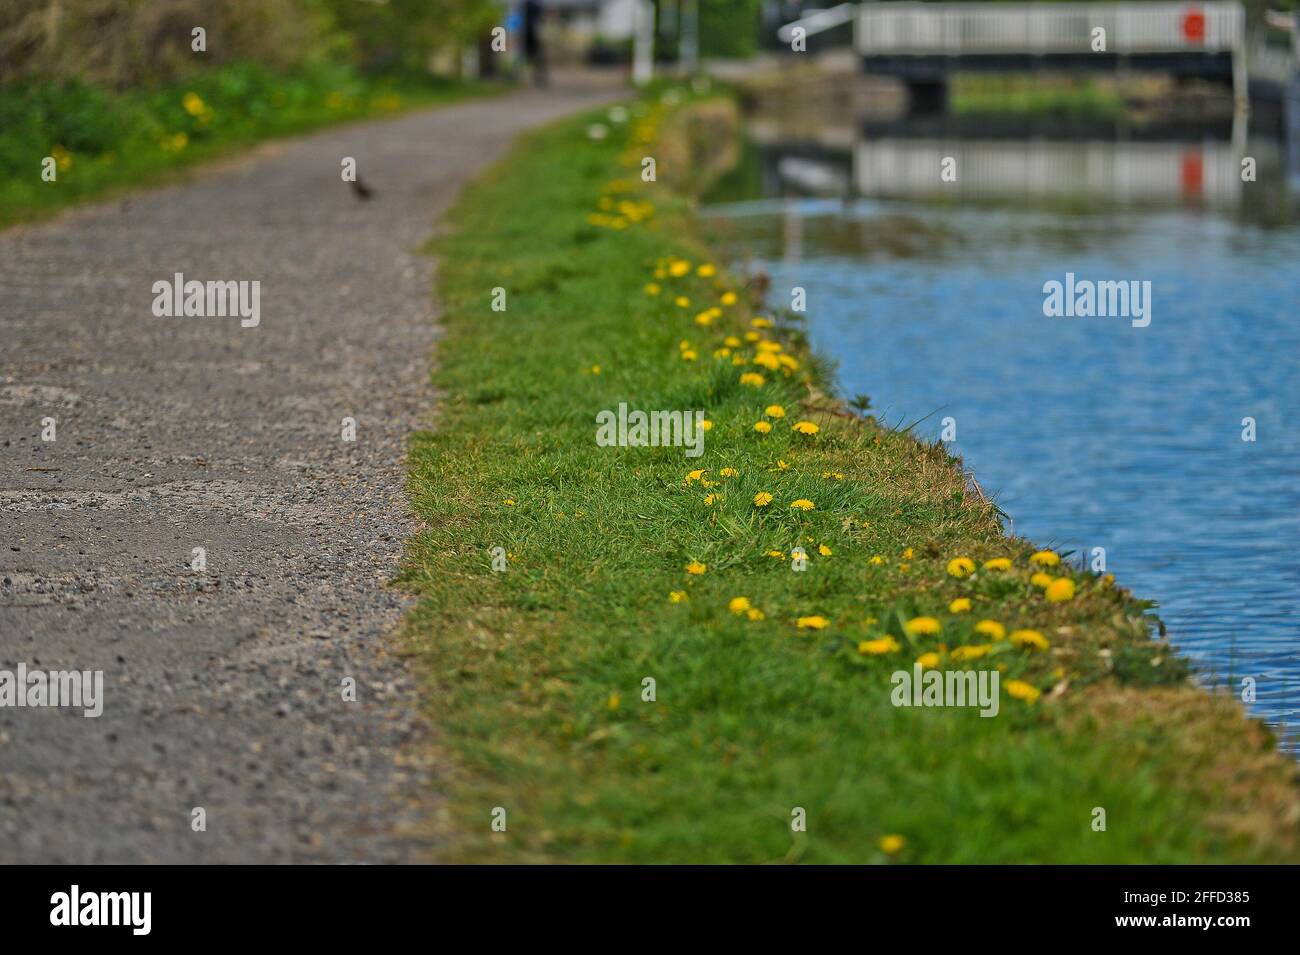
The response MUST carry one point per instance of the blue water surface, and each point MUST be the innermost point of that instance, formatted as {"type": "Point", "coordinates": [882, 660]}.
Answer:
{"type": "Point", "coordinates": [1088, 432]}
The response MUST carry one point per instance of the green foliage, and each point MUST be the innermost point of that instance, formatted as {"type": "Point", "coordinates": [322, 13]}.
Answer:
{"type": "Point", "coordinates": [729, 28]}
{"type": "Point", "coordinates": [1059, 96]}
{"type": "Point", "coordinates": [124, 44]}
{"type": "Point", "coordinates": [400, 36]}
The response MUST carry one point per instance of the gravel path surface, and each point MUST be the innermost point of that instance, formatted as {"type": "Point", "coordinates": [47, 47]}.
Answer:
{"type": "Point", "coordinates": [223, 688]}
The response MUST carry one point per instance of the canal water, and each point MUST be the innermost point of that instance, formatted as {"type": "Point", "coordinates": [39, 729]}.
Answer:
{"type": "Point", "coordinates": [1089, 432]}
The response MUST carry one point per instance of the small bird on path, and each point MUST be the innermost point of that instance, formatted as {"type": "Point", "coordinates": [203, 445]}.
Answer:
{"type": "Point", "coordinates": [359, 188]}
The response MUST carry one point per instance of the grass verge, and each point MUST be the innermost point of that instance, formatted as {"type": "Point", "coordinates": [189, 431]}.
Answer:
{"type": "Point", "coordinates": [1038, 96]}
{"type": "Point", "coordinates": [101, 143]}
{"type": "Point", "coordinates": [772, 685]}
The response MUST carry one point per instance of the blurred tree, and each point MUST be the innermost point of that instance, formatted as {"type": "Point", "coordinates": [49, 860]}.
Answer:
{"type": "Point", "coordinates": [729, 28]}
{"type": "Point", "coordinates": [121, 43]}
{"type": "Point", "coordinates": [401, 36]}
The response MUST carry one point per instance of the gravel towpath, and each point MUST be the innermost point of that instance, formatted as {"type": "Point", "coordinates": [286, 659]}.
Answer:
{"type": "Point", "coordinates": [223, 687]}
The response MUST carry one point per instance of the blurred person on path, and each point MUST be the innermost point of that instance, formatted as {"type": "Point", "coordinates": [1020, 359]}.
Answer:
{"type": "Point", "coordinates": [534, 53]}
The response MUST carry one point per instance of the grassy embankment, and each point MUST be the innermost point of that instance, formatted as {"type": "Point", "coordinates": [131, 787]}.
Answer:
{"type": "Point", "coordinates": [1038, 96]}
{"type": "Point", "coordinates": [535, 675]}
{"type": "Point", "coordinates": [103, 142]}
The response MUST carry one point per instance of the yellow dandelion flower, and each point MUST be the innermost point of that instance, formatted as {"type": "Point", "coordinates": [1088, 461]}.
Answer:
{"type": "Point", "coordinates": [774, 411]}
{"type": "Point", "coordinates": [612, 702]}
{"type": "Point", "coordinates": [706, 425]}
{"type": "Point", "coordinates": [960, 605]}
{"type": "Point", "coordinates": [695, 568]}
{"type": "Point", "coordinates": [961, 567]}
{"type": "Point", "coordinates": [738, 605]}
{"type": "Point", "coordinates": [1029, 638]}
{"type": "Point", "coordinates": [706, 271]}
{"type": "Point", "coordinates": [812, 623]}
{"type": "Point", "coordinates": [761, 322]}
{"type": "Point", "coordinates": [728, 472]}
{"type": "Point", "coordinates": [696, 475]}
{"type": "Point", "coordinates": [991, 629]}
{"type": "Point", "coordinates": [768, 361]}
{"type": "Point", "coordinates": [876, 560]}
{"type": "Point", "coordinates": [769, 346]}
{"type": "Point", "coordinates": [677, 596]}
{"type": "Point", "coordinates": [823, 550]}
{"type": "Point", "coordinates": [711, 499]}
{"type": "Point", "coordinates": [762, 499]}
{"type": "Point", "coordinates": [803, 504]}
{"type": "Point", "coordinates": [509, 502]}
{"type": "Point", "coordinates": [731, 341]}
{"type": "Point", "coordinates": [704, 318]}
{"type": "Point", "coordinates": [689, 354]}
{"type": "Point", "coordinates": [1020, 690]}
{"type": "Point", "coordinates": [892, 845]}
{"type": "Point", "coordinates": [962, 654]}
{"type": "Point", "coordinates": [928, 661]}
{"type": "Point", "coordinates": [682, 301]}
{"type": "Point", "coordinates": [678, 267]}
{"type": "Point", "coordinates": [779, 555]}
{"type": "Point", "coordinates": [728, 298]}
{"type": "Point", "coordinates": [781, 465]}
{"type": "Point", "coordinates": [908, 553]}
{"type": "Point", "coordinates": [922, 626]}
{"type": "Point", "coordinates": [652, 288]}
{"type": "Point", "coordinates": [998, 563]}
{"type": "Point", "coordinates": [805, 427]}
{"type": "Point", "coordinates": [753, 379]}
{"type": "Point", "coordinates": [762, 427]}
{"type": "Point", "coordinates": [1060, 590]}
{"type": "Point", "coordinates": [834, 476]}
{"type": "Point", "coordinates": [1041, 580]}
{"type": "Point", "coordinates": [878, 647]}
{"type": "Point", "coordinates": [1045, 558]}
{"type": "Point", "coordinates": [753, 613]}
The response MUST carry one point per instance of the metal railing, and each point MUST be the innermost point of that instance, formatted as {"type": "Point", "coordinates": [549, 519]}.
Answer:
{"type": "Point", "coordinates": [901, 28]}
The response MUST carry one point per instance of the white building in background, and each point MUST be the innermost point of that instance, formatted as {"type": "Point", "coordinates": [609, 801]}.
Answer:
{"type": "Point", "coordinates": [607, 19]}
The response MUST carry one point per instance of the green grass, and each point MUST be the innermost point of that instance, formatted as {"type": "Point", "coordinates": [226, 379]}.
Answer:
{"type": "Point", "coordinates": [1037, 96]}
{"type": "Point", "coordinates": [535, 675]}
{"type": "Point", "coordinates": [105, 142]}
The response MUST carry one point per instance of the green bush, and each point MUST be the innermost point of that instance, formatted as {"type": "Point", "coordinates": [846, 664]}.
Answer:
{"type": "Point", "coordinates": [122, 44]}
{"type": "Point", "coordinates": [729, 28]}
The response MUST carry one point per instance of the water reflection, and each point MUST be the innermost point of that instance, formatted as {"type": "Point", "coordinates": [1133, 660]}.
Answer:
{"type": "Point", "coordinates": [1089, 432]}
{"type": "Point", "coordinates": [1049, 164]}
